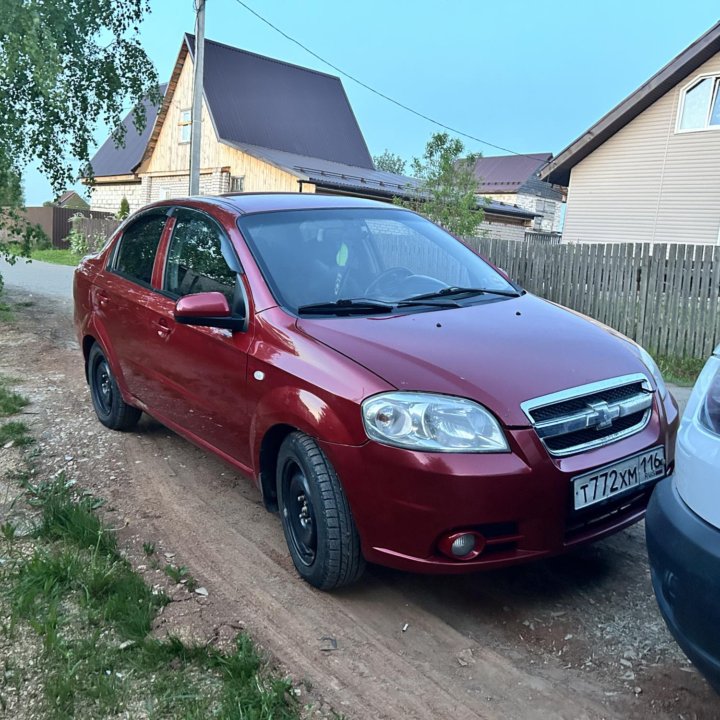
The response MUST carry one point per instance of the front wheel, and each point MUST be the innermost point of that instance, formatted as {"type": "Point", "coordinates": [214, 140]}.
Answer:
{"type": "Point", "coordinates": [319, 529]}
{"type": "Point", "coordinates": [111, 409]}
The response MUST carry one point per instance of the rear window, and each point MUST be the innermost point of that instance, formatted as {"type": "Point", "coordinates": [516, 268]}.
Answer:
{"type": "Point", "coordinates": [139, 243]}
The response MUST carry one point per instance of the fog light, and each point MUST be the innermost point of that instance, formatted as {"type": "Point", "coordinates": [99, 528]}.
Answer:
{"type": "Point", "coordinates": [463, 545]}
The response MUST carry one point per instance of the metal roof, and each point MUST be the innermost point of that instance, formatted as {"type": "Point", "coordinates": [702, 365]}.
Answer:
{"type": "Point", "coordinates": [113, 160]}
{"type": "Point", "coordinates": [507, 173]}
{"type": "Point", "coordinates": [327, 172]}
{"type": "Point", "coordinates": [268, 103]}
{"type": "Point", "coordinates": [558, 170]}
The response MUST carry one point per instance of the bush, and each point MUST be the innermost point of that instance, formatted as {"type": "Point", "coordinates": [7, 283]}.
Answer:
{"type": "Point", "coordinates": [124, 210]}
{"type": "Point", "coordinates": [78, 242]}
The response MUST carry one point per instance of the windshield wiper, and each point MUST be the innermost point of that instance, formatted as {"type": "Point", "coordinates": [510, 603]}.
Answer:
{"type": "Point", "coordinates": [456, 291]}
{"type": "Point", "coordinates": [346, 307]}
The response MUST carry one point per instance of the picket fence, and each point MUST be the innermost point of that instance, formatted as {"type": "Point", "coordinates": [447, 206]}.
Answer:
{"type": "Point", "coordinates": [665, 296]}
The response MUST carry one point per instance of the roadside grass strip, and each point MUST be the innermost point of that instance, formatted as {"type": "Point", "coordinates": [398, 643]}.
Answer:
{"type": "Point", "coordinates": [57, 256]}
{"type": "Point", "coordinates": [69, 585]}
{"type": "Point", "coordinates": [680, 371]}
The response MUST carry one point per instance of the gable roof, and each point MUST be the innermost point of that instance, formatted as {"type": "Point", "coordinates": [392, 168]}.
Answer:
{"type": "Point", "coordinates": [268, 103]}
{"type": "Point", "coordinates": [507, 173]}
{"type": "Point", "coordinates": [113, 160]}
{"type": "Point", "coordinates": [558, 170]}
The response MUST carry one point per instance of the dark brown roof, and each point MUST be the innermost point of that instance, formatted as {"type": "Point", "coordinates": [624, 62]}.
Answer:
{"type": "Point", "coordinates": [268, 103]}
{"type": "Point", "coordinates": [558, 170]}
{"type": "Point", "coordinates": [113, 160]}
{"type": "Point", "coordinates": [507, 173]}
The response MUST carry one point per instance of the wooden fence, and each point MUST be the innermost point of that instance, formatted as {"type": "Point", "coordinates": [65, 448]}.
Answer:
{"type": "Point", "coordinates": [56, 221]}
{"type": "Point", "coordinates": [96, 230]}
{"type": "Point", "coordinates": [666, 297]}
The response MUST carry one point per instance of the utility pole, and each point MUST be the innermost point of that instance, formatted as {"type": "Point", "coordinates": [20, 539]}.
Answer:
{"type": "Point", "coordinates": [196, 120]}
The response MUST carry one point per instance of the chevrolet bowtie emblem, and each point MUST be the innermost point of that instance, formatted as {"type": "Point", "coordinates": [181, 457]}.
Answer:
{"type": "Point", "coordinates": [603, 415]}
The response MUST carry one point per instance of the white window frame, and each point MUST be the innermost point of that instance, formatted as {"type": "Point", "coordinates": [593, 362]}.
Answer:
{"type": "Point", "coordinates": [681, 105]}
{"type": "Point", "coordinates": [183, 124]}
{"type": "Point", "coordinates": [237, 179]}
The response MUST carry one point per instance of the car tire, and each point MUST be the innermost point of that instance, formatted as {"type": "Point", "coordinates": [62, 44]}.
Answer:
{"type": "Point", "coordinates": [319, 529]}
{"type": "Point", "coordinates": [111, 410]}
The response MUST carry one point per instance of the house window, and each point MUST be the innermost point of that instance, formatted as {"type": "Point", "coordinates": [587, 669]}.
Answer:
{"type": "Point", "coordinates": [185, 125]}
{"type": "Point", "coordinates": [700, 105]}
{"type": "Point", "coordinates": [237, 184]}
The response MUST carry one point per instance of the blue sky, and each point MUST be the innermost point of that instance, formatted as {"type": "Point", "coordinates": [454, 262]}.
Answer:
{"type": "Point", "coordinates": [530, 76]}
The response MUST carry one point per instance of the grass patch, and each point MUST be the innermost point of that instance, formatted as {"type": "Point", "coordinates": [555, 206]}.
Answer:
{"type": "Point", "coordinates": [181, 575]}
{"type": "Point", "coordinates": [15, 432]}
{"type": "Point", "coordinates": [680, 371]}
{"type": "Point", "coordinates": [56, 256]}
{"type": "Point", "coordinates": [6, 313]}
{"type": "Point", "coordinates": [10, 401]}
{"type": "Point", "coordinates": [93, 614]}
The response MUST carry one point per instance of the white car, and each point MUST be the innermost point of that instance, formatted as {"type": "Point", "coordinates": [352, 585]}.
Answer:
{"type": "Point", "coordinates": [683, 529]}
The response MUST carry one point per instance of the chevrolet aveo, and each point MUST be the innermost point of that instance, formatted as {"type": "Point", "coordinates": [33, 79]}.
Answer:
{"type": "Point", "coordinates": [393, 395]}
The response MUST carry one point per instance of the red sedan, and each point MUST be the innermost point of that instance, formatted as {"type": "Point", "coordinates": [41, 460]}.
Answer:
{"type": "Point", "coordinates": [393, 395]}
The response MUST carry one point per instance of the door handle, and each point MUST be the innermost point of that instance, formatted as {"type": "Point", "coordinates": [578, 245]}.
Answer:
{"type": "Point", "coordinates": [163, 329]}
{"type": "Point", "coordinates": [103, 299]}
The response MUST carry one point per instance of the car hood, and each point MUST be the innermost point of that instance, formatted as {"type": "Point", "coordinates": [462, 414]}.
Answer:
{"type": "Point", "coordinates": [499, 353]}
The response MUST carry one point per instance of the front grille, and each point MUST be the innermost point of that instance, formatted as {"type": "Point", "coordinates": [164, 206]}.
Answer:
{"type": "Point", "coordinates": [568, 407]}
{"type": "Point", "coordinates": [592, 415]}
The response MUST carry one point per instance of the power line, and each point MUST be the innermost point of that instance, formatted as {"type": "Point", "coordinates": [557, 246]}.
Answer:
{"type": "Point", "coordinates": [377, 92]}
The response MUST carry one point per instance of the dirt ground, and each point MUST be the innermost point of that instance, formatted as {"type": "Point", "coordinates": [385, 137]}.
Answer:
{"type": "Point", "coordinates": [574, 637]}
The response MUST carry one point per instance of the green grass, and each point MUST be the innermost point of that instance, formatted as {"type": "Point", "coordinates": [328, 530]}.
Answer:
{"type": "Point", "coordinates": [10, 401]}
{"type": "Point", "coordinates": [181, 575]}
{"type": "Point", "coordinates": [56, 256]}
{"type": "Point", "coordinates": [15, 432]}
{"type": "Point", "coordinates": [680, 371]}
{"type": "Point", "coordinates": [94, 614]}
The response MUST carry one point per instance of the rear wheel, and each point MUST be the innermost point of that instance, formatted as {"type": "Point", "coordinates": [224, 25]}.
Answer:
{"type": "Point", "coordinates": [319, 528]}
{"type": "Point", "coordinates": [111, 409]}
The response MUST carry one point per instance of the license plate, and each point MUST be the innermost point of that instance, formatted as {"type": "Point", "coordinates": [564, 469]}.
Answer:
{"type": "Point", "coordinates": [611, 480]}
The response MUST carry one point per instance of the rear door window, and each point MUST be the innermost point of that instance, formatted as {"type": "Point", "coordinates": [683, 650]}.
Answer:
{"type": "Point", "coordinates": [135, 257]}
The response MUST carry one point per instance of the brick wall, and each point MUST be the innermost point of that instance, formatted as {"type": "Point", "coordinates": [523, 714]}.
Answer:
{"type": "Point", "coordinates": [549, 222]}
{"type": "Point", "coordinates": [152, 188]}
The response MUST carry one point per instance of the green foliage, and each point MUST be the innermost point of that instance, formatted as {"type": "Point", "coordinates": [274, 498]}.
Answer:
{"type": "Point", "coordinates": [447, 190]}
{"type": "Point", "coordinates": [124, 210]}
{"type": "Point", "coordinates": [15, 432]}
{"type": "Point", "coordinates": [57, 256]}
{"type": "Point", "coordinates": [94, 615]}
{"type": "Point", "coordinates": [64, 67]}
{"type": "Point", "coordinates": [11, 189]}
{"type": "Point", "coordinates": [680, 371]}
{"type": "Point", "coordinates": [10, 401]}
{"type": "Point", "coordinates": [389, 162]}
{"type": "Point", "coordinates": [78, 242]}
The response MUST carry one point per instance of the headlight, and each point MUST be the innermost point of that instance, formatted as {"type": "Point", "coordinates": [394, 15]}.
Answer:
{"type": "Point", "coordinates": [438, 423]}
{"type": "Point", "coordinates": [705, 398]}
{"type": "Point", "coordinates": [651, 365]}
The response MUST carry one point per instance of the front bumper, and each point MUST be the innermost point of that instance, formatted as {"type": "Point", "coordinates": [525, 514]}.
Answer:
{"type": "Point", "coordinates": [404, 502]}
{"type": "Point", "coordinates": [684, 554]}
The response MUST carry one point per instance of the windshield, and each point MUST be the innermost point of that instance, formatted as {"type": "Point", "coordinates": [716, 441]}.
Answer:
{"type": "Point", "coordinates": [315, 257]}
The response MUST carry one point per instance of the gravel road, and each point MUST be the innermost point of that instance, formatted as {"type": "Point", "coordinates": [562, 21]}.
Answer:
{"type": "Point", "coordinates": [573, 637]}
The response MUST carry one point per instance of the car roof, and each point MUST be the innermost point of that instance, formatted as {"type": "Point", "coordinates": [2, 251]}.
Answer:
{"type": "Point", "coordinates": [245, 203]}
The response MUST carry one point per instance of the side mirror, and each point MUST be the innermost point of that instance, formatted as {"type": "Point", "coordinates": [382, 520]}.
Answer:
{"type": "Point", "coordinates": [209, 309]}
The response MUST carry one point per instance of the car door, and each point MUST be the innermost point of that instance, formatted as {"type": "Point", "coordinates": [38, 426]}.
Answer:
{"type": "Point", "coordinates": [125, 302]}
{"type": "Point", "coordinates": [201, 370]}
